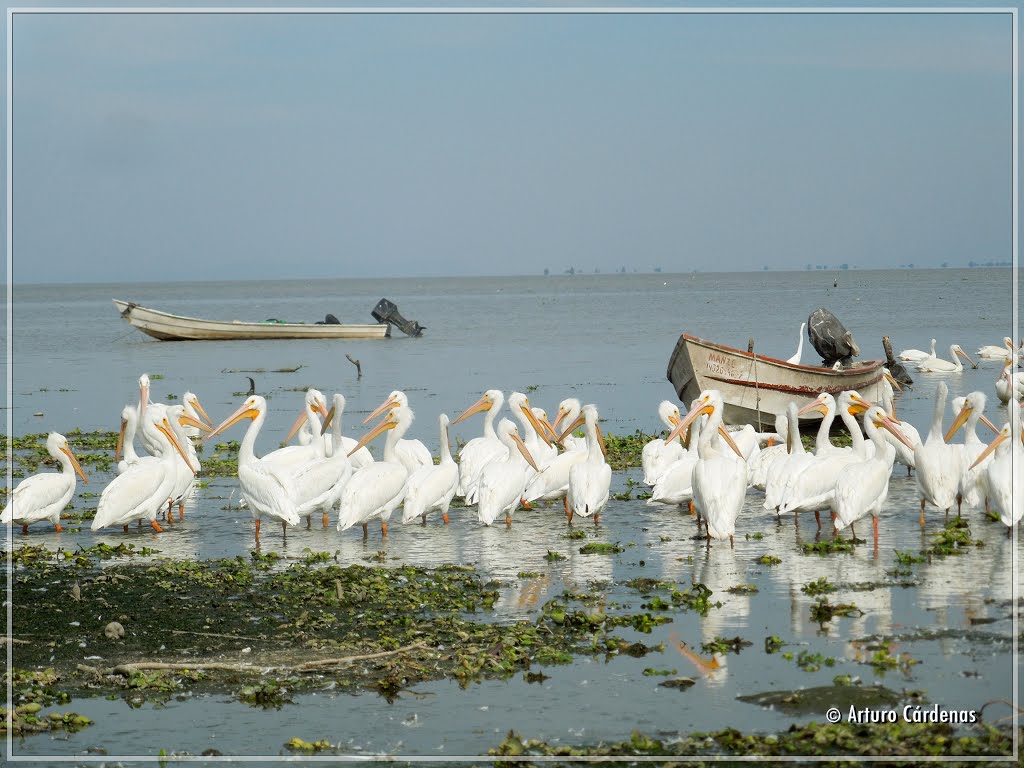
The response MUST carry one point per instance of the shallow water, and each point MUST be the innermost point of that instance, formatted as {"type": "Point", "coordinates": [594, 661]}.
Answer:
{"type": "Point", "coordinates": [604, 339]}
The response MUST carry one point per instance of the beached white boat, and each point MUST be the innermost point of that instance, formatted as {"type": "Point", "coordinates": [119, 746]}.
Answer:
{"type": "Point", "coordinates": [755, 387]}
{"type": "Point", "coordinates": [168, 327]}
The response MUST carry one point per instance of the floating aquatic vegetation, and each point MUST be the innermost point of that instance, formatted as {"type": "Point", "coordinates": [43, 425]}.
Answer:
{"type": "Point", "coordinates": [652, 672]}
{"type": "Point", "coordinates": [743, 589]}
{"type": "Point", "coordinates": [953, 539]}
{"type": "Point", "coordinates": [822, 612]}
{"type": "Point", "coordinates": [810, 662]}
{"type": "Point", "coordinates": [828, 546]}
{"type": "Point", "coordinates": [600, 548]}
{"type": "Point", "coordinates": [298, 745]}
{"type": "Point", "coordinates": [768, 560]}
{"type": "Point", "coordinates": [820, 586]}
{"type": "Point", "coordinates": [27, 719]}
{"type": "Point", "coordinates": [725, 645]}
{"type": "Point", "coordinates": [772, 644]}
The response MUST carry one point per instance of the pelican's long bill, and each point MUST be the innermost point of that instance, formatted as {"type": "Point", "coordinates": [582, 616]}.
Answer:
{"type": "Point", "coordinates": [328, 418]}
{"type": "Point", "coordinates": [199, 409]}
{"type": "Point", "coordinates": [390, 422]}
{"type": "Point", "coordinates": [524, 450]}
{"type": "Point", "coordinates": [187, 421]}
{"type": "Point", "coordinates": [858, 404]}
{"type": "Point", "coordinates": [966, 357]}
{"type": "Point", "coordinates": [120, 441]}
{"type": "Point", "coordinates": [535, 423]}
{"type": "Point", "coordinates": [387, 405]}
{"type": "Point", "coordinates": [74, 462]}
{"type": "Point", "coordinates": [1004, 434]}
{"type": "Point", "coordinates": [885, 422]}
{"type": "Point", "coordinates": [580, 421]}
{"type": "Point", "coordinates": [165, 427]}
{"type": "Point", "coordinates": [815, 405]}
{"type": "Point", "coordinates": [483, 404]}
{"type": "Point", "coordinates": [699, 408]}
{"type": "Point", "coordinates": [246, 410]}
{"type": "Point", "coordinates": [892, 381]}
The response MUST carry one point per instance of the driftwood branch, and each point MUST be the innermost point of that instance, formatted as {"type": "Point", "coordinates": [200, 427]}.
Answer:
{"type": "Point", "coordinates": [359, 367]}
{"type": "Point", "coordinates": [224, 666]}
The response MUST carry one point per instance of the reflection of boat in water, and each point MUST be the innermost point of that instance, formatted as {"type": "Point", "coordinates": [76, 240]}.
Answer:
{"type": "Point", "coordinates": [754, 387]}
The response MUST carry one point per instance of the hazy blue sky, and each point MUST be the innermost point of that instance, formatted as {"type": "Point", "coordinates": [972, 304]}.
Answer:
{"type": "Point", "coordinates": [155, 146]}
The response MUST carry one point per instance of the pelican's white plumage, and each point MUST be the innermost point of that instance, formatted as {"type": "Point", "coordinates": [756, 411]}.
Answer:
{"type": "Point", "coordinates": [953, 365]}
{"type": "Point", "coordinates": [657, 455]}
{"type": "Point", "coordinates": [569, 410]}
{"type": "Point", "coordinates": [1005, 472]}
{"type": "Point", "coordinates": [795, 359]}
{"type": "Point", "coordinates": [432, 488]}
{"type": "Point", "coordinates": [141, 492]}
{"type": "Point", "coordinates": [782, 470]}
{"type": "Point", "coordinates": [938, 464]}
{"type": "Point", "coordinates": [969, 411]}
{"type": "Point", "coordinates": [760, 463]}
{"type": "Point", "coordinates": [996, 351]}
{"type": "Point", "coordinates": [904, 453]}
{"type": "Point", "coordinates": [377, 490]}
{"type": "Point", "coordinates": [126, 440]}
{"type": "Point", "coordinates": [863, 486]}
{"type": "Point", "coordinates": [44, 496]}
{"type": "Point", "coordinates": [480, 451]}
{"type": "Point", "coordinates": [320, 483]}
{"type": "Point", "coordinates": [719, 480]}
{"type": "Point", "coordinates": [307, 433]}
{"type": "Point", "coordinates": [502, 483]}
{"type": "Point", "coordinates": [675, 488]}
{"type": "Point", "coordinates": [916, 355]}
{"type": "Point", "coordinates": [412, 453]}
{"type": "Point", "coordinates": [266, 491]}
{"type": "Point", "coordinates": [194, 410]}
{"type": "Point", "coordinates": [590, 480]}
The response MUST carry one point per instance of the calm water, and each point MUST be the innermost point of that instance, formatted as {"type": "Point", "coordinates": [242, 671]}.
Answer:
{"type": "Point", "coordinates": [601, 338]}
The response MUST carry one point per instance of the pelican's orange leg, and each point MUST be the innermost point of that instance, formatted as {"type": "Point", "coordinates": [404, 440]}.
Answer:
{"type": "Point", "coordinates": [922, 512]}
{"type": "Point", "coordinates": [181, 512]}
{"type": "Point", "coordinates": [258, 521]}
{"type": "Point", "coordinates": [444, 516]}
{"type": "Point", "coordinates": [383, 529]}
{"type": "Point", "coordinates": [508, 521]}
{"type": "Point", "coordinates": [325, 519]}
{"type": "Point", "coordinates": [366, 531]}
{"type": "Point", "coordinates": [59, 529]}
{"type": "Point", "coordinates": [156, 527]}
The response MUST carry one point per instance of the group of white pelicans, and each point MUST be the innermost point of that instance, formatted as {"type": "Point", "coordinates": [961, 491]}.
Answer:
{"type": "Point", "coordinates": [700, 465]}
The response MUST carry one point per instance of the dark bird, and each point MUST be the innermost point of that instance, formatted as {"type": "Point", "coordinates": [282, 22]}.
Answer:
{"type": "Point", "coordinates": [252, 387]}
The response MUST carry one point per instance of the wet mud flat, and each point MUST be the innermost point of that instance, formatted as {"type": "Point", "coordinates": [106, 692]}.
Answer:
{"type": "Point", "coordinates": [117, 622]}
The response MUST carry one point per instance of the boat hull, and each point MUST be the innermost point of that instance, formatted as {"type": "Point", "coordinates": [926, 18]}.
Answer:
{"type": "Point", "coordinates": [168, 327]}
{"type": "Point", "coordinates": [755, 388]}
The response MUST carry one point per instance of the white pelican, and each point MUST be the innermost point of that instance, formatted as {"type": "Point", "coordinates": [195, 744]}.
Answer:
{"type": "Point", "coordinates": [795, 359]}
{"type": "Point", "coordinates": [44, 496]}
{"type": "Point", "coordinates": [657, 455]}
{"type": "Point", "coordinates": [781, 471]}
{"type": "Point", "coordinates": [1010, 384]}
{"type": "Point", "coordinates": [996, 351]}
{"type": "Point", "coordinates": [185, 482]}
{"type": "Point", "coordinates": [863, 486]}
{"type": "Point", "coordinates": [760, 463]}
{"type": "Point", "coordinates": [307, 433]}
{"type": "Point", "coordinates": [126, 440]}
{"type": "Point", "coordinates": [143, 490]}
{"type": "Point", "coordinates": [938, 464]}
{"type": "Point", "coordinates": [502, 483]}
{"type": "Point", "coordinates": [377, 490]}
{"type": "Point", "coordinates": [813, 488]}
{"type": "Point", "coordinates": [412, 453]}
{"type": "Point", "coordinates": [719, 480]}
{"type": "Point", "coordinates": [916, 355]}
{"type": "Point", "coordinates": [480, 451]}
{"type": "Point", "coordinates": [904, 454]}
{"type": "Point", "coordinates": [569, 409]}
{"type": "Point", "coordinates": [1005, 472]}
{"type": "Point", "coordinates": [194, 410]}
{"type": "Point", "coordinates": [542, 446]}
{"type": "Point", "coordinates": [266, 492]}
{"type": "Point", "coordinates": [938, 365]}
{"type": "Point", "coordinates": [533, 432]}
{"type": "Point", "coordinates": [969, 411]}
{"type": "Point", "coordinates": [320, 483]}
{"type": "Point", "coordinates": [432, 487]}
{"type": "Point", "coordinates": [591, 479]}
{"type": "Point", "coordinates": [675, 488]}
{"type": "Point", "coordinates": [552, 482]}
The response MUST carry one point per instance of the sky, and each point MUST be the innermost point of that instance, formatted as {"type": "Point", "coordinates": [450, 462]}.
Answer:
{"type": "Point", "coordinates": [269, 146]}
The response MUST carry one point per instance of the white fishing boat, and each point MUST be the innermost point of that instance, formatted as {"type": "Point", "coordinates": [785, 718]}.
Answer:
{"type": "Point", "coordinates": [168, 327]}
{"type": "Point", "coordinates": [756, 387]}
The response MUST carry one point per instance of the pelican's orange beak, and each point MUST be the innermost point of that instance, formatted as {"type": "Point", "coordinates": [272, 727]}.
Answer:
{"type": "Point", "coordinates": [967, 357]}
{"type": "Point", "coordinates": [188, 421]}
{"type": "Point", "coordinates": [988, 423]}
{"type": "Point", "coordinates": [524, 450]}
{"type": "Point", "coordinates": [390, 422]}
{"type": "Point", "coordinates": [120, 440]}
{"type": "Point", "coordinates": [580, 421]}
{"type": "Point", "coordinates": [959, 421]}
{"type": "Point", "coordinates": [298, 424]}
{"type": "Point", "coordinates": [246, 411]}
{"type": "Point", "coordinates": [895, 384]}
{"type": "Point", "coordinates": [385, 406]}
{"type": "Point", "coordinates": [483, 404]}
{"type": "Point", "coordinates": [165, 427]}
{"type": "Point", "coordinates": [66, 450]}
{"type": "Point", "coordinates": [535, 423]}
{"type": "Point", "coordinates": [1004, 434]}
{"type": "Point", "coordinates": [814, 405]}
{"type": "Point", "coordinates": [858, 405]}
{"type": "Point", "coordinates": [886, 423]}
{"type": "Point", "coordinates": [699, 409]}
{"type": "Point", "coordinates": [328, 418]}
{"type": "Point", "coordinates": [199, 409]}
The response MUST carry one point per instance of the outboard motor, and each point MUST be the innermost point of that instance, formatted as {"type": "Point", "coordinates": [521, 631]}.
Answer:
{"type": "Point", "coordinates": [831, 339]}
{"type": "Point", "coordinates": [387, 312]}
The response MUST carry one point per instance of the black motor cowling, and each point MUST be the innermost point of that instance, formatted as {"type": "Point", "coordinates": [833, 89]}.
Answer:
{"type": "Point", "coordinates": [387, 312]}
